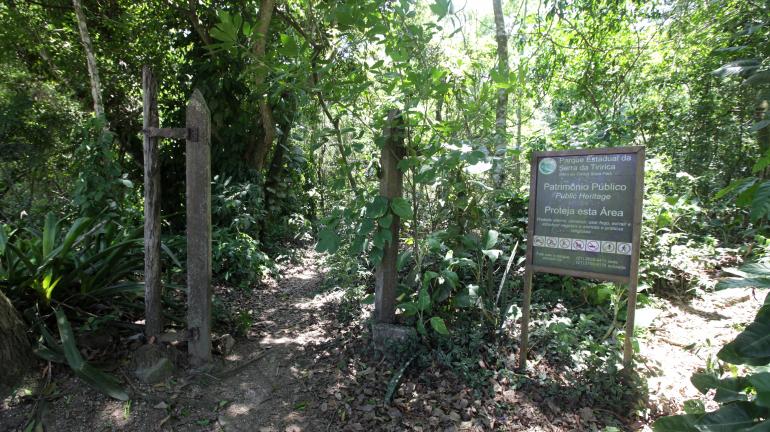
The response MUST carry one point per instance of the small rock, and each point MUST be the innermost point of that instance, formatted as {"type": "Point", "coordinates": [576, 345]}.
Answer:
{"type": "Point", "coordinates": [161, 405]}
{"type": "Point", "coordinates": [152, 364]}
{"type": "Point", "coordinates": [224, 345]}
{"type": "Point", "coordinates": [393, 340]}
{"type": "Point", "coordinates": [159, 372]}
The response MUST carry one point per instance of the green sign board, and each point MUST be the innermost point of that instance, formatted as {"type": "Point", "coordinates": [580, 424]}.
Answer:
{"type": "Point", "coordinates": [585, 212]}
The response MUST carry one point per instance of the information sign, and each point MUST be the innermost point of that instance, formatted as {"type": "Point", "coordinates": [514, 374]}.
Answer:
{"type": "Point", "coordinates": [585, 215]}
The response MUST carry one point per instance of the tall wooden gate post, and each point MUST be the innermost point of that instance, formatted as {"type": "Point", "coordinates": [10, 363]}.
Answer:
{"type": "Point", "coordinates": [391, 186]}
{"type": "Point", "coordinates": [198, 161]}
{"type": "Point", "coordinates": [153, 324]}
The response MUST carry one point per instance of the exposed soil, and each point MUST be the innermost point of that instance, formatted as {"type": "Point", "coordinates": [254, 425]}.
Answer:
{"type": "Point", "coordinates": [301, 369]}
{"type": "Point", "coordinates": [684, 337]}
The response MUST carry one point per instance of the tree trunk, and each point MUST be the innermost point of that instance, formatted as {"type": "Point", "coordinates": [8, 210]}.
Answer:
{"type": "Point", "coordinates": [93, 72]}
{"type": "Point", "coordinates": [257, 151]}
{"type": "Point", "coordinates": [15, 352]}
{"type": "Point", "coordinates": [498, 171]}
{"type": "Point", "coordinates": [763, 135]}
{"type": "Point", "coordinates": [517, 163]}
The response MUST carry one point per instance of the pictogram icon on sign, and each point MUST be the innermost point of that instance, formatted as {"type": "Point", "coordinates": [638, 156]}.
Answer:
{"type": "Point", "coordinates": [608, 246]}
{"type": "Point", "coordinates": [624, 248]}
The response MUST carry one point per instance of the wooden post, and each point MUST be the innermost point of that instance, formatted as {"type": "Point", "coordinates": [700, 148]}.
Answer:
{"type": "Point", "coordinates": [528, 271]}
{"type": "Point", "coordinates": [198, 160]}
{"type": "Point", "coordinates": [391, 186]}
{"type": "Point", "coordinates": [153, 324]}
{"type": "Point", "coordinates": [628, 347]}
{"type": "Point", "coordinates": [525, 315]}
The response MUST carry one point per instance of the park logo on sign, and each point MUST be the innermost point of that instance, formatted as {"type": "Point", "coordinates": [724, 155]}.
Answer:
{"type": "Point", "coordinates": [547, 166]}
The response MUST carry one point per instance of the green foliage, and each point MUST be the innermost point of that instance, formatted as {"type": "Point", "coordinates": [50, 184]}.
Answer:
{"type": "Point", "coordinates": [237, 259]}
{"type": "Point", "coordinates": [100, 185]}
{"type": "Point", "coordinates": [89, 260]}
{"type": "Point", "coordinates": [86, 264]}
{"type": "Point", "coordinates": [97, 379]}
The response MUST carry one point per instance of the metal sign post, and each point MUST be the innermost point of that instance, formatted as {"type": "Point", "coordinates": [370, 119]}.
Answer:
{"type": "Point", "coordinates": [585, 218]}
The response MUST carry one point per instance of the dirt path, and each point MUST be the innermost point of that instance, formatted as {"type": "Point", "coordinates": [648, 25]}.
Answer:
{"type": "Point", "coordinates": [261, 386]}
{"type": "Point", "coordinates": [301, 369]}
{"type": "Point", "coordinates": [685, 336]}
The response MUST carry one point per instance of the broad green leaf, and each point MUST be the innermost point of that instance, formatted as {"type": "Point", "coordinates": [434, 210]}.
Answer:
{"type": "Point", "coordinates": [732, 417]}
{"type": "Point", "coordinates": [3, 239]}
{"type": "Point", "coordinates": [492, 254]}
{"type": "Point", "coordinates": [427, 277]}
{"type": "Point", "coordinates": [377, 208]}
{"type": "Point", "coordinates": [694, 406]}
{"type": "Point", "coordinates": [401, 208]}
{"type": "Point", "coordinates": [375, 255]}
{"type": "Point", "coordinates": [758, 78]}
{"type": "Point", "coordinates": [438, 324]}
{"type": "Point", "coordinates": [386, 221]}
{"type": "Point", "coordinates": [756, 268]}
{"type": "Point", "coordinates": [450, 278]}
{"type": "Point", "coordinates": [409, 308]}
{"type": "Point", "coordinates": [739, 67]}
{"type": "Point", "coordinates": [678, 423]}
{"type": "Point", "coordinates": [738, 186]}
{"type": "Point", "coordinates": [50, 230]}
{"type": "Point", "coordinates": [440, 8]}
{"type": "Point", "coordinates": [421, 328]}
{"type": "Point", "coordinates": [761, 383]}
{"type": "Point", "coordinates": [423, 300]}
{"type": "Point", "coordinates": [77, 228]}
{"type": "Point", "coordinates": [381, 237]}
{"type": "Point", "coordinates": [490, 239]}
{"type": "Point", "coordinates": [728, 389]}
{"type": "Point", "coordinates": [327, 241]}
{"type": "Point", "coordinates": [760, 202]}
{"type": "Point", "coordinates": [462, 299]}
{"type": "Point", "coordinates": [752, 345]}
{"type": "Point", "coordinates": [403, 258]}
{"type": "Point", "coordinates": [757, 126]}
{"type": "Point", "coordinates": [92, 376]}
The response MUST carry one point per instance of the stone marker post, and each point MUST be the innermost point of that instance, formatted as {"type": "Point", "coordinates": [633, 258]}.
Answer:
{"type": "Point", "coordinates": [391, 186]}
{"type": "Point", "coordinates": [198, 161]}
{"type": "Point", "coordinates": [153, 324]}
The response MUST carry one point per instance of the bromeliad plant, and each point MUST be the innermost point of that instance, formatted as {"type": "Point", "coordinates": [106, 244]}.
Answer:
{"type": "Point", "coordinates": [89, 260]}
{"type": "Point", "coordinates": [76, 267]}
{"type": "Point", "coordinates": [744, 399]}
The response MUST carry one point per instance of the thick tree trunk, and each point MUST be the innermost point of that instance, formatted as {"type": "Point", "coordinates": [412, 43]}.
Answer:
{"type": "Point", "coordinates": [501, 111]}
{"type": "Point", "coordinates": [93, 72]}
{"type": "Point", "coordinates": [16, 355]}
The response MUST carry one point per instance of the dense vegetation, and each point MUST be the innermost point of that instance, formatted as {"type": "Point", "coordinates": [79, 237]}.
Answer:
{"type": "Point", "coordinates": [299, 93]}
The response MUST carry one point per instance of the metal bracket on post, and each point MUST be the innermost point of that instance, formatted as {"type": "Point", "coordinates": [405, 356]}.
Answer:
{"type": "Point", "coordinates": [171, 133]}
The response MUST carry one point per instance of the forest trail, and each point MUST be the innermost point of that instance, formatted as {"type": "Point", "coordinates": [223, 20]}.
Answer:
{"type": "Point", "coordinates": [682, 339]}
{"type": "Point", "coordinates": [301, 369]}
